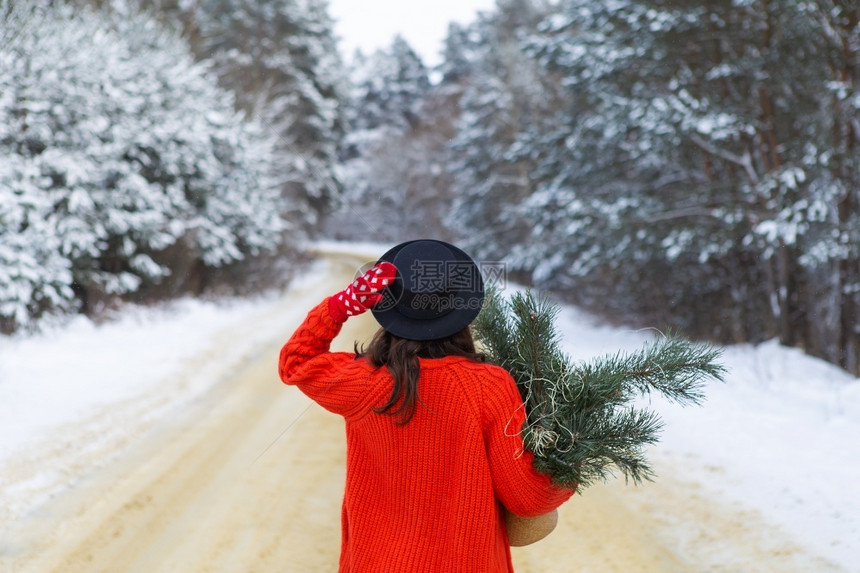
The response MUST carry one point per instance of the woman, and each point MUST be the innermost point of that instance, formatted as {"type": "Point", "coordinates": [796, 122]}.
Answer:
{"type": "Point", "coordinates": [434, 455]}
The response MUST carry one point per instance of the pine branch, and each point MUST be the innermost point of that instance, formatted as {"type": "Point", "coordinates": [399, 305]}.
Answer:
{"type": "Point", "coordinates": [580, 423]}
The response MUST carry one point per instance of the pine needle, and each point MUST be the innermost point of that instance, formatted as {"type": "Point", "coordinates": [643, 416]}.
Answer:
{"type": "Point", "coordinates": [581, 424]}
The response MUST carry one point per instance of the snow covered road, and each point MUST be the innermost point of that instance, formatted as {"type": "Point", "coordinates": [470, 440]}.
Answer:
{"type": "Point", "coordinates": [215, 466]}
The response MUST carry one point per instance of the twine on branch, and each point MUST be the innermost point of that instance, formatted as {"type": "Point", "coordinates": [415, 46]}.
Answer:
{"type": "Point", "coordinates": [581, 422]}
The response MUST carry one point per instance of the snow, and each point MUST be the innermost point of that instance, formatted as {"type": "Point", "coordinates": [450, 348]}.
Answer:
{"type": "Point", "coordinates": [782, 429]}
{"type": "Point", "coordinates": [68, 373]}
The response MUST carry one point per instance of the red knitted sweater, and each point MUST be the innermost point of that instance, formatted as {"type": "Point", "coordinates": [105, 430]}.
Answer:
{"type": "Point", "coordinates": [428, 495]}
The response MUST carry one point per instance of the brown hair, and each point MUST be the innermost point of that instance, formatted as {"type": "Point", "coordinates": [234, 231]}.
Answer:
{"type": "Point", "coordinates": [401, 356]}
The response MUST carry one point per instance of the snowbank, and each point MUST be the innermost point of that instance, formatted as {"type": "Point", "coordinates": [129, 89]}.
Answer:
{"type": "Point", "coordinates": [780, 436]}
{"type": "Point", "coordinates": [64, 375]}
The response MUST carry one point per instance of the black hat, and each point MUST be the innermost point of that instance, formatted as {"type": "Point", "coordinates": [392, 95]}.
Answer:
{"type": "Point", "coordinates": [438, 291]}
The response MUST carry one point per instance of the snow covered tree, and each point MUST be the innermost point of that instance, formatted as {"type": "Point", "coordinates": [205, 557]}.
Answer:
{"type": "Point", "coordinates": [458, 57]}
{"type": "Point", "coordinates": [683, 151]}
{"type": "Point", "coordinates": [832, 254]}
{"type": "Point", "coordinates": [35, 277]}
{"type": "Point", "coordinates": [390, 170]}
{"type": "Point", "coordinates": [464, 49]}
{"type": "Point", "coordinates": [689, 151]}
{"type": "Point", "coordinates": [504, 100]}
{"type": "Point", "coordinates": [125, 159]}
{"type": "Point", "coordinates": [280, 59]}
{"type": "Point", "coordinates": [614, 182]}
{"type": "Point", "coordinates": [388, 88]}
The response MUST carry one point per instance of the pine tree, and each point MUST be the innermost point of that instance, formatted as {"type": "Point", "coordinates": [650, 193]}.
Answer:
{"type": "Point", "coordinates": [388, 88]}
{"type": "Point", "coordinates": [386, 154]}
{"type": "Point", "coordinates": [581, 421]}
{"type": "Point", "coordinates": [502, 103]}
{"type": "Point", "coordinates": [127, 165]}
{"type": "Point", "coordinates": [280, 59]}
{"type": "Point", "coordinates": [457, 55]}
{"type": "Point", "coordinates": [687, 141]}
{"type": "Point", "coordinates": [35, 277]}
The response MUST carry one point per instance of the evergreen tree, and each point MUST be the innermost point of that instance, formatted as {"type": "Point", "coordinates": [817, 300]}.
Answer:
{"type": "Point", "coordinates": [687, 154]}
{"type": "Point", "coordinates": [832, 255]}
{"type": "Point", "coordinates": [35, 278]}
{"type": "Point", "coordinates": [458, 58]}
{"type": "Point", "coordinates": [121, 153]}
{"type": "Point", "coordinates": [389, 151]}
{"type": "Point", "coordinates": [388, 88]}
{"type": "Point", "coordinates": [503, 102]}
{"type": "Point", "coordinates": [280, 59]}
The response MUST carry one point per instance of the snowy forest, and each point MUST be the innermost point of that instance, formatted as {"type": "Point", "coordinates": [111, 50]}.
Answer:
{"type": "Point", "coordinates": [684, 165]}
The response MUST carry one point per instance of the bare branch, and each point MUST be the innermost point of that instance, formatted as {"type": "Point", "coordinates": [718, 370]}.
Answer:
{"type": "Point", "coordinates": [744, 160]}
{"type": "Point", "coordinates": [680, 214]}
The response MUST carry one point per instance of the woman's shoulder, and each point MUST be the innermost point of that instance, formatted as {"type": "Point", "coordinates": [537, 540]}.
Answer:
{"type": "Point", "coordinates": [470, 373]}
{"type": "Point", "coordinates": [464, 363]}
{"type": "Point", "coordinates": [486, 368]}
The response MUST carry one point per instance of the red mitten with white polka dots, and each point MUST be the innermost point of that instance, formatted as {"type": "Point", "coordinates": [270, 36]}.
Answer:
{"type": "Point", "coordinates": [362, 293]}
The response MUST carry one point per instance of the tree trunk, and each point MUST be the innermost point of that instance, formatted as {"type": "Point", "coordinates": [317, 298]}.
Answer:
{"type": "Point", "coordinates": [846, 142]}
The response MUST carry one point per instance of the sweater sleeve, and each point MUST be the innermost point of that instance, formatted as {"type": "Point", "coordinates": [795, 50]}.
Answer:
{"type": "Point", "coordinates": [524, 491]}
{"type": "Point", "coordinates": [305, 362]}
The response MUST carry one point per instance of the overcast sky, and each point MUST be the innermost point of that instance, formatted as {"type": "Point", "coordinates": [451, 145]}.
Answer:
{"type": "Point", "coordinates": [371, 24]}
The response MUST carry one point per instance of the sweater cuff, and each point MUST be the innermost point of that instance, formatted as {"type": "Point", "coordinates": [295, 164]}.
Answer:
{"type": "Point", "coordinates": [328, 319]}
